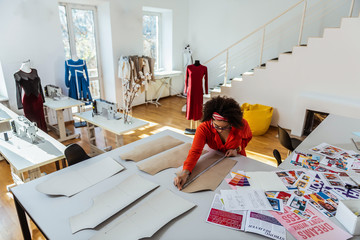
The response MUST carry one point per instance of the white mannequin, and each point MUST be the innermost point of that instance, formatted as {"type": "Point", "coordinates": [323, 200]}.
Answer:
{"type": "Point", "coordinates": [74, 57]}
{"type": "Point", "coordinates": [25, 66]}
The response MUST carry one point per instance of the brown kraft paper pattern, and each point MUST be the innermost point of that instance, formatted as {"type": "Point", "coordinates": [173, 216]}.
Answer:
{"type": "Point", "coordinates": [152, 148]}
{"type": "Point", "coordinates": [173, 158]}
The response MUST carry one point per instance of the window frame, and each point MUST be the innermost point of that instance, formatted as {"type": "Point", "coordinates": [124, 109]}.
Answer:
{"type": "Point", "coordinates": [69, 21]}
{"type": "Point", "coordinates": [159, 61]}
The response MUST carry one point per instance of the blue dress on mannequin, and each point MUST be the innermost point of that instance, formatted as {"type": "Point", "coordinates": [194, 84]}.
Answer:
{"type": "Point", "coordinates": [77, 79]}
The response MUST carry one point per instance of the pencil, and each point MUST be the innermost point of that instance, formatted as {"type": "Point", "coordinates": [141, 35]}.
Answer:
{"type": "Point", "coordinates": [240, 174]}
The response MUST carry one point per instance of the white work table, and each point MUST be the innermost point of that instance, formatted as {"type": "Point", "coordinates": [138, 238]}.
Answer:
{"type": "Point", "coordinates": [51, 214]}
{"type": "Point", "coordinates": [118, 127]}
{"type": "Point", "coordinates": [335, 130]}
{"type": "Point", "coordinates": [58, 106]}
{"type": "Point", "coordinates": [24, 156]}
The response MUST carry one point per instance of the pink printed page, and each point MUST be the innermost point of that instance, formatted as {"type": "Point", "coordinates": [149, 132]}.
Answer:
{"type": "Point", "coordinates": [318, 227]}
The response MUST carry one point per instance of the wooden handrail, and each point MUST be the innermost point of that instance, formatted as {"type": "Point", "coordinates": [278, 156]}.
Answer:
{"type": "Point", "coordinates": [263, 26]}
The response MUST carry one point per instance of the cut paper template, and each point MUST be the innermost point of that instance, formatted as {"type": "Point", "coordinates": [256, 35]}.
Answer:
{"type": "Point", "coordinates": [109, 203]}
{"type": "Point", "coordinates": [172, 158]}
{"type": "Point", "coordinates": [151, 148]}
{"type": "Point", "coordinates": [211, 179]}
{"type": "Point", "coordinates": [148, 218]}
{"type": "Point", "coordinates": [267, 181]}
{"type": "Point", "coordinates": [78, 177]}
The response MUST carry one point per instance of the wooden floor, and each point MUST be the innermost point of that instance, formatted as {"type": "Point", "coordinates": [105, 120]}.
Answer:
{"type": "Point", "coordinates": [167, 116]}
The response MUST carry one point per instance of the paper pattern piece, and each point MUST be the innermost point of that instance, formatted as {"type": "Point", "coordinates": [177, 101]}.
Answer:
{"type": "Point", "coordinates": [151, 148]}
{"type": "Point", "coordinates": [245, 199]}
{"type": "Point", "coordinates": [148, 218]}
{"type": "Point", "coordinates": [78, 178]}
{"type": "Point", "coordinates": [218, 216]}
{"type": "Point", "coordinates": [211, 179]}
{"type": "Point", "coordinates": [268, 181]}
{"type": "Point", "coordinates": [318, 227]}
{"type": "Point", "coordinates": [172, 158]}
{"type": "Point", "coordinates": [109, 203]}
{"type": "Point", "coordinates": [263, 223]}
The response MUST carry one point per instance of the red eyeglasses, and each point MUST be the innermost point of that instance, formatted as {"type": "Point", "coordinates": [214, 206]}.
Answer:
{"type": "Point", "coordinates": [217, 127]}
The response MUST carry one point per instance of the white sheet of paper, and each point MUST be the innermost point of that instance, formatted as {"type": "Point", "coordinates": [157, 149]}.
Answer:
{"type": "Point", "coordinates": [245, 199]}
{"type": "Point", "coordinates": [148, 218]}
{"type": "Point", "coordinates": [109, 203]}
{"type": "Point", "coordinates": [79, 177]}
{"type": "Point", "coordinates": [267, 181]}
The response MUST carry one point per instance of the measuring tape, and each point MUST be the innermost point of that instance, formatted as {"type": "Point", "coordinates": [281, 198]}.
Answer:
{"type": "Point", "coordinates": [203, 171]}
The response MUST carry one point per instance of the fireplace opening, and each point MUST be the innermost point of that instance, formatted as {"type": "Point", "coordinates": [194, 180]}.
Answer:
{"type": "Point", "coordinates": [312, 120]}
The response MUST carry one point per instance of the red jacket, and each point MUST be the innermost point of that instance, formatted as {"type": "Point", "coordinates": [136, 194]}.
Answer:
{"type": "Point", "coordinates": [206, 133]}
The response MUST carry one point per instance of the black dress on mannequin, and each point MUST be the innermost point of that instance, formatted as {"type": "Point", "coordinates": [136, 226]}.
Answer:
{"type": "Point", "coordinates": [33, 99]}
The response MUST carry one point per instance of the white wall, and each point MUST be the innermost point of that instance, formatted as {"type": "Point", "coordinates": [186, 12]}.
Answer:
{"type": "Point", "coordinates": [31, 30]}
{"type": "Point", "coordinates": [215, 25]}
{"type": "Point", "coordinates": [324, 76]}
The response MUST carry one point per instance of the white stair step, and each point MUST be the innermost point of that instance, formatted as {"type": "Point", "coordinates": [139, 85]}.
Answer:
{"type": "Point", "coordinates": [248, 74]}
{"type": "Point", "coordinates": [329, 32]}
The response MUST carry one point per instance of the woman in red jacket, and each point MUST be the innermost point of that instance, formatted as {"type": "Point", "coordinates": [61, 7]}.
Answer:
{"type": "Point", "coordinates": [223, 128]}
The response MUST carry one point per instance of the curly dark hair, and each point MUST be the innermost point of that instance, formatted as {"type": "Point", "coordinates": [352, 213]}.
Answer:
{"type": "Point", "coordinates": [226, 107]}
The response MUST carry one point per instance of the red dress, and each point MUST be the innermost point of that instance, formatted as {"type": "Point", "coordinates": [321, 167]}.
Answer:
{"type": "Point", "coordinates": [194, 90]}
{"type": "Point", "coordinates": [207, 134]}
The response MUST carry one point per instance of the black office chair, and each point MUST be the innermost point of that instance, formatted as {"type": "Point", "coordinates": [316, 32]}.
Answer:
{"type": "Point", "coordinates": [277, 156]}
{"type": "Point", "coordinates": [287, 142]}
{"type": "Point", "coordinates": [74, 153]}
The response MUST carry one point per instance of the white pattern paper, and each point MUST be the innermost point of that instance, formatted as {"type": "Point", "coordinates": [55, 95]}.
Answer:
{"type": "Point", "coordinates": [77, 178]}
{"type": "Point", "coordinates": [109, 203]}
{"type": "Point", "coordinates": [148, 218]}
{"type": "Point", "coordinates": [245, 199]}
{"type": "Point", "coordinates": [268, 181]}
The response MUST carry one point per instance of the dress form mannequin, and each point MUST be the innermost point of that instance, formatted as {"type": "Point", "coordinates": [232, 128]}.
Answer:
{"type": "Point", "coordinates": [195, 123]}
{"type": "Point", "coordinates": [25, 66]}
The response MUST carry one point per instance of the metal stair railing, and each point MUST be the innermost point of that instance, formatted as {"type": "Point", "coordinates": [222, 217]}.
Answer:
{"type": "Point", "coordinates": [263, 28]}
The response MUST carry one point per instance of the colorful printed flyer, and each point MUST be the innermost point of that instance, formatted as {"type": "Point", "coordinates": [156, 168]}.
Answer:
{"type": "Point", "coordinates": [276, 204]}
{"type": "Point", "coordinates": [289, 177]}
{"type": "Point", "coordinates": [318, 227]}
{"type": "Point", "coordinates": [326, 203]}
{"type": "Point", "coordinates": [336, 163]}
{"type": "Point", "coordinates": [306, 160]}
{"type": "Point", "coordinates": [297, 203]}
{"type": "Point", "coordinates": [327, 150]}
{"type": "Point", "coordinates": [284, 196]}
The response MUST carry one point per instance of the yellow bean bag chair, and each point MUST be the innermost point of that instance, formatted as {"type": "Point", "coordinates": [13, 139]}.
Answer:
{"type": "Point", "coordinates": [258, 116]}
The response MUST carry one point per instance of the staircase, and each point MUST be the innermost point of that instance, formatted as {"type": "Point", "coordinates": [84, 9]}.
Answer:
{"type": "Point", "coordinates": [322, 76]}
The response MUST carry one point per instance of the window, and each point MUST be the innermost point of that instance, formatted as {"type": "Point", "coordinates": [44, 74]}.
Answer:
{"type": "Point", "coordinates": [78, 26]}
{"type": "Point", "coordinates": [151, 37]}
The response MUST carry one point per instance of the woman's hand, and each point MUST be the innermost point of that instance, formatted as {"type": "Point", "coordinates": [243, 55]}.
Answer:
{"type": "Point", "coordinates": [181, 178]}
{"type": "Point", "coordinates": [231, 153]}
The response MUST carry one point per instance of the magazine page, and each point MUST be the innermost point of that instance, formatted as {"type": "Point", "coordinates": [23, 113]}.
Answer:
{"type": "Point", "coordinates": [229, 219]}
{"type": "Point", "coordinates": [263, 223]}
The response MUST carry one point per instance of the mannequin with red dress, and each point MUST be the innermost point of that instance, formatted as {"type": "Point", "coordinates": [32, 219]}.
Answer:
{"type": "Point", "coordinates": [195, 74]}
